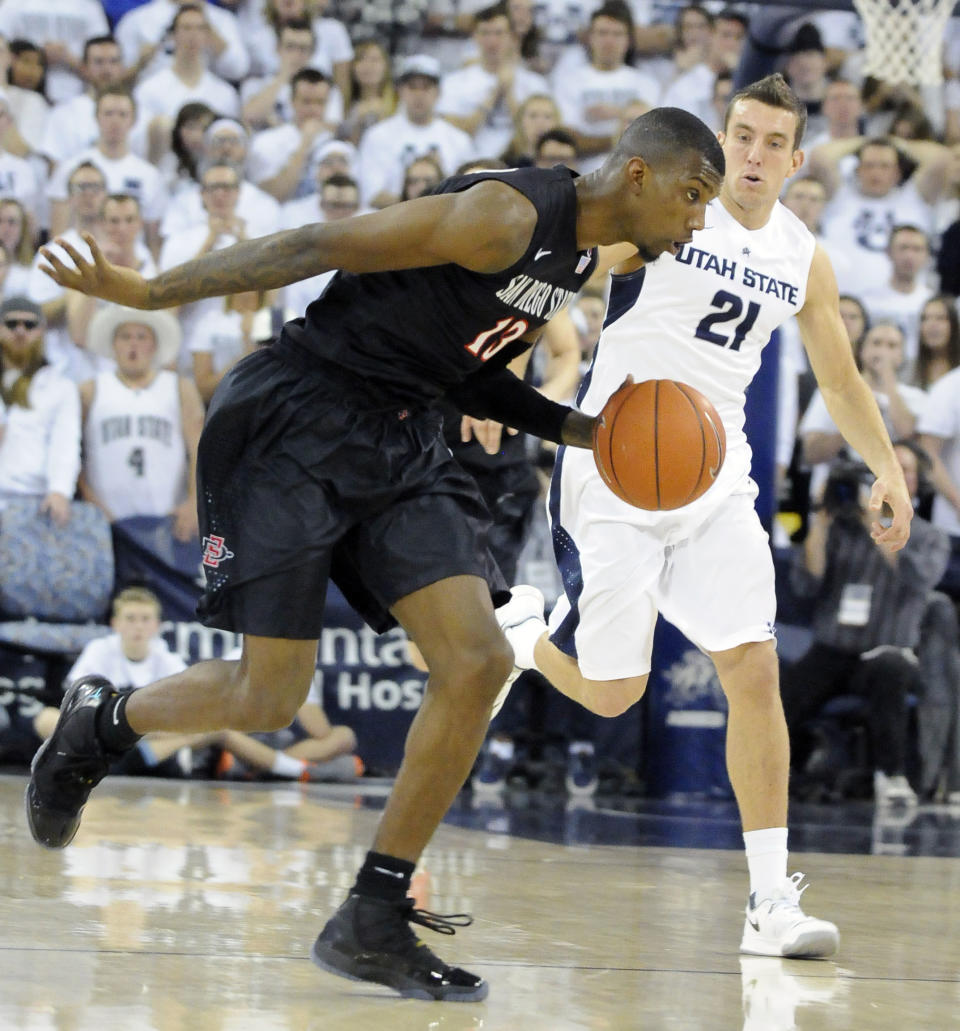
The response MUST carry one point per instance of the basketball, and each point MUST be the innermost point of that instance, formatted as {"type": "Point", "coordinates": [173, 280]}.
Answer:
{"type": "Point", "coordinates": [659, 444]}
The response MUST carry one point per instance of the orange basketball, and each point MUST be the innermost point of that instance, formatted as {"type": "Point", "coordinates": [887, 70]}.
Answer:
{"type": "Point", "coordinates": [659, 444]}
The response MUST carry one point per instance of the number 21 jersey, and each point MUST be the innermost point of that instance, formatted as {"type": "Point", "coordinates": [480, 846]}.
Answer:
{"type": "Point", "coordinates": [704, 316]}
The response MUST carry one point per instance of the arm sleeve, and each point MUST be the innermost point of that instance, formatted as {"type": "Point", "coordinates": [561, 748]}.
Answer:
{"type": "Point", "coordinates": [498, 394]}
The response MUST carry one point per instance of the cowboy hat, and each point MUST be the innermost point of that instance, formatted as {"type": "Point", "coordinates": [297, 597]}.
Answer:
{"type": "Point", "coordinates": [106, 322]}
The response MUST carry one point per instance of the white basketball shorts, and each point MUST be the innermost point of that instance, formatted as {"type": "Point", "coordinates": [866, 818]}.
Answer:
{"type": "Point", "coordinates": [707, 568]}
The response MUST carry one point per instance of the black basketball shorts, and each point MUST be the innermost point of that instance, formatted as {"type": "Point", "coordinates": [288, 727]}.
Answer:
{"type": "Point", "coordinates": [302, 477]}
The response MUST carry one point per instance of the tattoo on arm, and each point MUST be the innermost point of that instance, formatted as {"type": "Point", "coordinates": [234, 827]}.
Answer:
{"type": "Point", "coordinates": [262, 264]}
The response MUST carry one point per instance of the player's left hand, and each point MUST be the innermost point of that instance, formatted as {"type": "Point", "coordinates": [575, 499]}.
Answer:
{"type": "Point", "coordinates": [892, 490]}
{"type": "Point", "coordinates": [487, 433]}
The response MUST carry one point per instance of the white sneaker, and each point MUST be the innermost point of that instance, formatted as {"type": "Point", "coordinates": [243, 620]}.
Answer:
{"type": "Point", "coordinates": [777, 926]}
{"type": "Point", "coordinates": [891, 790]}
{"type": "Point", "coordinates": [525, 604]}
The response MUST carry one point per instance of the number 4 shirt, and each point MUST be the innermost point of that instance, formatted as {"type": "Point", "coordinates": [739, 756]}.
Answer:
{"type": "Point", "coordinates": [134, 453]}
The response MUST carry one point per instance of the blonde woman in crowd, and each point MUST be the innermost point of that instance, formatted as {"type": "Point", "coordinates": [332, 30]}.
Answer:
{"type": "Point", "coordinates": [370, 94]}
{"type": "Point", "coordinates": [535, 116]}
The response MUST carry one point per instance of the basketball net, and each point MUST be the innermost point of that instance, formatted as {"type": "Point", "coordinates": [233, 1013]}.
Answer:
{"type": "Point", "coordinates": [905, 39]}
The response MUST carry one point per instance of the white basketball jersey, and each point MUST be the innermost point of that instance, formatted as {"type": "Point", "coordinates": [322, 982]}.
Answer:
{"type": "Point", "coordinates": [135, 457]}
{"type": "Point", "coordinates": [704, 317]}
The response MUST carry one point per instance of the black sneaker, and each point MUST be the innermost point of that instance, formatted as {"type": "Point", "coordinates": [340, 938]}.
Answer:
{"type": "Point", "coordinates": [68, 765]}
{"type": "Point", "coordinates": [370, 939]}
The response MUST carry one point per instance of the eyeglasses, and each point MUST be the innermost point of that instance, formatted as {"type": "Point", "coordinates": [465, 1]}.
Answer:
{"type": "Point", "coordinates": [87, 187]}
{"type": "Point", "coordinates": [219, 187]}
{"type": "Point", "coordinates": [17, 323]}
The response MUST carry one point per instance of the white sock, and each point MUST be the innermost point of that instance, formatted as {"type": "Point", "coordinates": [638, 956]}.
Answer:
{"type": "Point", "coordinates": [523, 640]}
{"type": "Point", "coordinates": [766, 859]}
{"type": "Point", "coordinates": [286, 766]}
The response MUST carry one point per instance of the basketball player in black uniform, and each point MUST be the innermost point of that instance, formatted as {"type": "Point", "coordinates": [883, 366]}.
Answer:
{"type": "Point", "coordinates": [322, 457]}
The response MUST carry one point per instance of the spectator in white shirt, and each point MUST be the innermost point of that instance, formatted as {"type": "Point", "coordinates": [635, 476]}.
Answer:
{"type": "Point", "coordinates": [222, 226]}
{"type": "Point", "coordinates": [806, 71]}
{"type": "Point", "coordinates": [224, 142]}
{"type": "Point", "coordinates": [29, 110]}
{"type": "Point", "coordinates": [280, 158]}
{"type": "Point", "coordinates": [901, 298]}
{"type": "Point", "coordinates": [535, 116]}
{"type": "Point", "coordinates": [40, 448]}
{"type": "Point", "coordinates": [939, 349]}
{"type": "Point", "coordinates": [592, 98]}
{"type": "Point", "coordinates": [880, 359]}
{"type": "Point", "coordinates": [60, 28]}
{"type": "Point", "coordinates": [371, 96]}
{"type": "Point", "coordinates": [17, 176]}
{"type": "Point", "coordinates": [125, 172]}
{"type": "Point", "coordinates": [223, 337]}
{"type": "Point", "coordinates": [842, 113]}
{"type": "Point", "coordinates": [693, 89]}
{"type": "Point", "coordinates": [339, 198]}
{"type": "Point", "coordinates": [144, 34]}
{"type": "Point", "coordinates": [267, 101]}
{"type": "Point", "coordinates": [388, 147]}
{"type": "Point", "coordinates": [17, 234]}
{"type": "Point", "coordinates": [482, 98]}
{"type": "Point", "coordinates": [180, 163]}
{"type": "Point", "coordinates": [87, 190]}
{"type": "Point", "coordinates": [72, 125]}
{"type": "Point", "coordinates": [187, 78]}
{"type": "Point", "coordinates": [939, 432]}
{"type": "Point", "coordinates": [140, 472]}
{"type": "Point", "coordinates": [120, 237]}
{"type": "Point", "coordinates": [861, 212]}
{"type": "Point", "coordinates": [262, 19]}
{"type": "Point", "coordinates": [334, 158]}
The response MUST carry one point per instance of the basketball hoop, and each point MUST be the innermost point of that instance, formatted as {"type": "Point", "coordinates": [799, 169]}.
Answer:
{"type": "Point", "coordinates": [905, 39]}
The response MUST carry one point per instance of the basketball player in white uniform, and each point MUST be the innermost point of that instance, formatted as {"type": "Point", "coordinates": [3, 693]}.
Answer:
{"type": "Point", "coordinates": [141, 422]}
{"type": "Point", "coordinates": [703, 317]}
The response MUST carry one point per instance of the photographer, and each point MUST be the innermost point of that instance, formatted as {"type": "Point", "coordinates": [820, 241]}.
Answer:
{"type": "Point", "coordinates": [868, 608]}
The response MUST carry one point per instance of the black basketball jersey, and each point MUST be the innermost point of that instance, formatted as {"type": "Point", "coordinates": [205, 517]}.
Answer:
{"type": "Point", "coordinates": [414, 333]}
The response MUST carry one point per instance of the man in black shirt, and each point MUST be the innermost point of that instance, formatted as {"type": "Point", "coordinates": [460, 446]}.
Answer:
{"type": "Point", "coordinates": [322, 457]}
{"type": "Point", "coordinates": [867, 613]}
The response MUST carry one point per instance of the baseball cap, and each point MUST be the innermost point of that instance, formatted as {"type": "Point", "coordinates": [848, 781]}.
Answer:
{"type": "Point", "coordinates": [419, 64]}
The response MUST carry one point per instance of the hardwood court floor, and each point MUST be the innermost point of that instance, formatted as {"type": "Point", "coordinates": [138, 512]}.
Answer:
{"type": "Point", "coordinates": [191, 907]}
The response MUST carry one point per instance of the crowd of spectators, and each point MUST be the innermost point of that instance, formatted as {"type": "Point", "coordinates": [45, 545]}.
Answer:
{"type": "Point", "coordinates": [171, 128]}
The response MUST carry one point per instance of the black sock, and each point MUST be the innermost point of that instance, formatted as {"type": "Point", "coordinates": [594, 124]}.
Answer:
{"type": "Point", "coordinates": [113, 730]}
{"type": "Point", "coordinates": [384, 877]}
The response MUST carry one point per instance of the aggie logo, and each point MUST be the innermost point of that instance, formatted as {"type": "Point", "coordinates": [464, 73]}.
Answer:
{"type": "Point", "coordinates": [215, 551]}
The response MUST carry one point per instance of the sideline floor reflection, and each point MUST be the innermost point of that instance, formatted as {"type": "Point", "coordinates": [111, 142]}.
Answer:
{"type": "Point", "coordinates": [187, 906]}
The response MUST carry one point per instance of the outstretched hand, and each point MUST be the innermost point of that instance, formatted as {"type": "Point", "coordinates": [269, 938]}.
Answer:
{"type": "Point", "coordinates": [97, 277]}
{"type": "Point", "coordinates": [892, 491]}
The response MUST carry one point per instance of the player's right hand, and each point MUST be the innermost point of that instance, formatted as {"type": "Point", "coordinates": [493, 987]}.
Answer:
{"type": "Point", "coordinates": [99, 278]}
